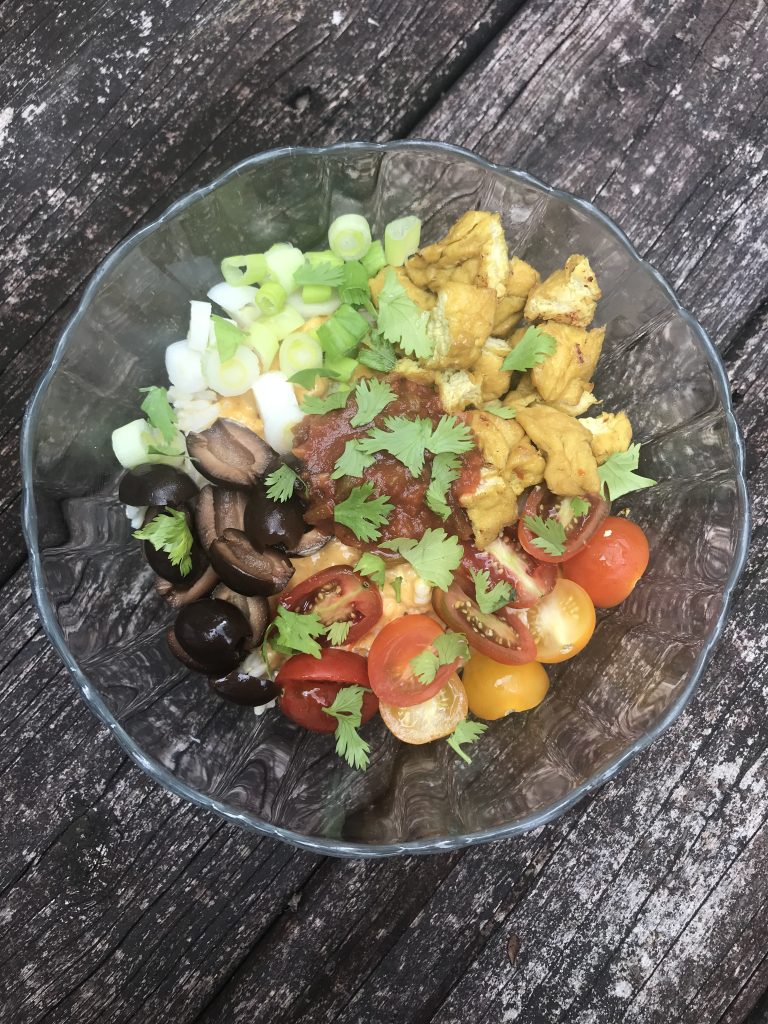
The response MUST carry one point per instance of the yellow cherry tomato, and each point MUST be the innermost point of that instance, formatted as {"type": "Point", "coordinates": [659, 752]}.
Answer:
{"type": "Point", "coordinates": [430, 720]}
{"type": "Point", "coordinates": [562, 622]}
{"type": "Point", "coordinates": [493, 689]}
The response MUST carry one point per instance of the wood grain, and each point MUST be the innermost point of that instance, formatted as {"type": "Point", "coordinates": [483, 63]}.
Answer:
{"type": "Point", "coordinates": [647, 902]}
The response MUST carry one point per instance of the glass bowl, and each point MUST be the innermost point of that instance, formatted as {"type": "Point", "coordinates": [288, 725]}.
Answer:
{"type": "Point", "coordinates": [95, 593]}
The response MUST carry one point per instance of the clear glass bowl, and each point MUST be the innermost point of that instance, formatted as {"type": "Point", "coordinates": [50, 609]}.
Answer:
{"type": "Point", "coordinates": [95, 593]}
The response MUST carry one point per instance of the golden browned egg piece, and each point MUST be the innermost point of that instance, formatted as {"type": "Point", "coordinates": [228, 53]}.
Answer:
{"type": "Point", "coordinates": [474, 251]}
{"type": "Point", "coordinates": [458, 389]}
{"type": "Point", "coordinates": [509, 309]}
{"type": "Point", "coordinates": [491, 506]}
{"type": "Point", "coordinates": [424, 299]}
{"type": "Point", "coordinates": [571, 468]}
{"type": "Point", "coordinates": [562, 376]}
{"type": "Point", "coordinates": [459, 325]}
{"type": "Point", "coordinates": [611, 433]}
{"type": "Point", "coordinates": [494, 381]}
{"type": "Point", "coordinates": [568, 295]}
{"type": "Point", "coordinates": [244, 410]}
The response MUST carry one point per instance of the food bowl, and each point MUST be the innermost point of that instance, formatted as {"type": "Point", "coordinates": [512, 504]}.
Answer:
{"type": "Point", "coordinates": [95, 593]}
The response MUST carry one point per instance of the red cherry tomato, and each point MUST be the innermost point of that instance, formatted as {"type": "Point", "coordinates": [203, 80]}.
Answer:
{"type": "Point", "coordinates": [502, 637]}
{"type": "Point", "coordinates": [578, 527]}
{"type": "Point", "coordinates": [612, 562]}
{"type": "Point", "coordinates": [392, 678]}
{"type": "Point", "coordinates": [311, 684]}
{"type": "Point", "coordinates": [505, 559]}
{"type": "Point", "coordinates": [338, 594]}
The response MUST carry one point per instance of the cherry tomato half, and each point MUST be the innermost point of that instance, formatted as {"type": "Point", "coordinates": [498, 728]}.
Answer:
{"type": "Point", "coordinates": [311, 684]}
{"type": "Point", "coordinates": [493, 689]}
{"type": "Point", "coordinates": [578, 528]}
{"type": "Point", "coordinates": [502, 637]}
{"type": "Point", "coordinates": [338, 594]}
{"type": "Point", "coordinates": [505, 559]}
{"type": "Point", "coordinates": [389, 669]}
{"type": "Point", "coordinates": [611, 564]}
{"type": "Point", "coordinates": [562, 623]}
{"type": "Point", "coordinates": [430, 720]}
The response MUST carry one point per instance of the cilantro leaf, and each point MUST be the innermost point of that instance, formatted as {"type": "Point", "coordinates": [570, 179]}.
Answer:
{"type": "Point", "coordinates": [397, 585]}
{"type": "Point", "coordinates": [401, 321]}
{"type": "Point", "coordinates": [549, 534]}
{"type": "Point", "coordinates": [313, 405]}
{"type": "Point", "coordinates": [352, 461]}
{"type": "Point", "coordinates": [450, 436]}
{"type": "Point", "coordinates": [354, 289]}
{"type": "Point", "coordinates": [579, 507]}
{"type": "Point", "coordinates": [532, 349]}
{"type": "Point", "coordinates": [281, 483]}
{"type": "Point", "coordinates": [465, 732]}
{"type": "Point", "coordinates": [490, 599]}
{"type": "Point", "coordinates": [228, 337]}
{"type": "Point", "coordinates": [160, 413]}
{"type": "Point", "coordinates": [435, 556]}
{"type": "Point", "coordinates": [617, 474]}
{"type": "Point", "coordinates": [445, 469]}
{"type": "Point", "coordinates": [378, 354]}
{"type": "Point", "coordinates": [338, 632]}
{"type": "Point", "coordinates": [306, 378]}
{"type": "Point", "coordinates": [347, 709]}
{"type": "Point", "coordinates": [361, 516]}
{"type": "Point", "coordinates": [425, 665]}
{"type": "Point", "coordinates": [297, 632]}
{"type": "Point", "coordinates": [319, 271]}
{"type": "Point", "coordinates": [504, 412]}
{"type": "Point", "coordinates": [445, 649]}
{"type": "Point", "coordinates": [406, 439]}
{"type": "Point", "coordinates": [372, 396]}
{"type": "Point", "coordinates": [169, 532]}
{"type": "Point", "coordinates": [372, 566]}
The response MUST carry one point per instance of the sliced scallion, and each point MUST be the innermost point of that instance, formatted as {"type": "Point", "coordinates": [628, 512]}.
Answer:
{"type": "Point", "coordinates": [312, 294]}
{"type": "Point", "coordinates": [233, 376]}
{"type": "Point", "coordinates": [374, 259]}
{"type": "Point", "coordinates": [299, 352]}
{"type": "Point", "coordinates": [349, 236]}
{"type": "Point", "coordinates": [270, 298]}
{"type": "Point", "coordinates": [283, 261]}
{"type": "Point", "coordinates": [250, 269]}
{"type": "Point", "coordinates": [263, 339]}
{"type": "Point", "coordinates": [199, 325]}
{"type": "Point", "coordinates": [401, 239]}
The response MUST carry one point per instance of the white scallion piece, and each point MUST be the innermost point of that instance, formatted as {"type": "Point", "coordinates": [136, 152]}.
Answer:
{"type": "Point", "coordinates": [283, 260]}
{"type": "Point", "coordinates": [238, 302]}
{"type": "Point", "coordinates": [234, 376]}
{"type": "Point", "coordinates": [278, 409]}
{"type": "Point", "coordinates": [129, 443]}
{"type": "Point", "coordinates": [199, 325]}
{"type": "Point", "coordinates": [309, 309]}
{"type": "Point", "coordinates": [299, 352]}
{"type": "Point", "coordinates": [184, 368]}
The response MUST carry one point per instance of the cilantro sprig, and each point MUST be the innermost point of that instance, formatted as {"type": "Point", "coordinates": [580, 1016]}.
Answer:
{"type": "Point", "coordinates": [314, 405]}
{"type": "Point", "coordinates": [435, 556]}
{"type": "Point", "coordinates": [372, 397]}
{"type": "Point", "coordinates": [352, 461]}
{"type": "Point", "coordinates": [401, 321]}
{"type": "Point", "coordinates": [445, 469]}
{"type": "Point", "coordinates": [397, 586]}
{"type": "Point", "coordinates": [377, 353]}
{"type": "Point", "coordinates": [347, 709]}
{"type": "Point", "coordinates": [228, 337]}
{"type": "Point", "coordinates": [281, 483]}
{"type": "Point", "coordinates": [617, 474]}
{"type": "Point", "coordinates": [465, 732]}
{"type": "Point", "coordinates": [549, 534]}
{"type": "Point", "coordinates": [169, 532]}
{"type": "Point", "coordinates": [320, 271]}
{"type": "Point", "coordinates": [296, 632]}
{"type": "Point", "coordinates": [337, 632]}
{"type": "Point", "coordinates": [361, 515]}
{"type": "Point", "coordinates": [532, 349]}
{"type": "Point", "coordinates": [372, 566]}
{"type": "Point", "coordinates": [489, 599]}
{"type": "Point", "coordinates": [445, 649]}
{"type": "Point", "coordinates": [410, 440]}
{"type": "Point", "coordinates": [160, 413]}
{"type": "Point", "coordinates": [504, 412]}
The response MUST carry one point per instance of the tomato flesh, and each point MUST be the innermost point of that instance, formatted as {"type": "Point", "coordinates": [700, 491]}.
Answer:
{"type": "Point", "coordinates": [562, 623]}
{"type": "Point", "coordinates": [494, 690]}
{"type": "Point", "coordinates": [502, 637]}
{"type": "Point", "coordinates": [431, 719]}
{"type": "Point", "coordinates": [612, 562]}
{"type": "Point", "coordinates": [578, 528]}
{"type": "Point", "coordinates": [506, 560]}
{"type": "Point", "coordinates": [389, 669]}
{"type": "Point", "coordinates": [311, 684]}
{"type": "Point", "coordinates": [338, 594]}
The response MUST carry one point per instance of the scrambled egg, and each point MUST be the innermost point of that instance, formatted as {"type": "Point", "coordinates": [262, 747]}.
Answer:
{"type": "Point", "coordinates": [459, 325]}
{"type": "Point", "coordinates": [509, 309]}
{"type": "Point", "coordinates": [424, 299]}
{"type": "Point", "coordinates": [571, 468]}
{"type": "Point", "coordinates": [611, 433]}
{"type": "Point", "coordinates": [473, 252]}
{"type": "Point", "coordinates": [563, 375]}
{"type": "Point", "coordinates": [569, 295]}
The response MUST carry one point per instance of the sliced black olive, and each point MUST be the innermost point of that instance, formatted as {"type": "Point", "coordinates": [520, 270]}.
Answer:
{"type": "Point", "coordinates": [241, 688]}
{"type": "Point", "coordinates": [269, 523]}
{"type": "Point", "coordinates": [213, 633]}
{"type": "Point", "coordinates": [311, 542]}
{"type": "Point", "coordinates": [255, 609]}
{"type": "Point", "coordinates": [218, 509]}
{"type": "Point", "coordinates": [230, 453]}
{"type": "Point", "coordinates": [178, 652]}
{"type": "Point", "coordinates": [247, 570]}
{"type": "Point", "coordinates": [177, 597]}
{"type": "Point", "coordinates": [160, 562]}
{"type": "Point", "coordinates": [156, 485]}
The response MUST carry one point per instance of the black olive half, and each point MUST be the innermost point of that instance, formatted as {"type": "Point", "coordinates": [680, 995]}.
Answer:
{"type": "Point", "coordinates": [160, 562]}
{"type": "Point", "coordinates": [247, 570]}
{"type": "Point", "coordinates": [269, 523]}
{"type": "Point", "coordinates": [178, 652]}
{"type": "Point", "coordinates": [218, 509]}
{"type": "Point", "coordinates": [177, 597]}
{"type": "Point", "coordinates": [230, 453]}
{"type": "Point", "coordinates": [309, 544]}
{"type": "Point", "coordinates": [255, 609]}
{"type": "Point", "coordinates": [241, 688]}
{"type": "Point", "coordinates": [213, 634]}
{"type": "Point", "coordinates": [156, 485]}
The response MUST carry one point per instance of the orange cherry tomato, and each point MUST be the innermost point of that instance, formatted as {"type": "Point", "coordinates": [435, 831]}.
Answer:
{"type": "Point", "coordinates": [612, 562]}
{"type": "Point", "coordinates": [562, 623]}
{"type": "Point", "coordinates": [494, 690]}
{"type": "Point", "coordinates": [430, 720]}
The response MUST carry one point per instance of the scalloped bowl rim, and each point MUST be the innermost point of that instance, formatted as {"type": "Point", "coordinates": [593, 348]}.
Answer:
{"type": "Point", "coordinates": [319, 844]}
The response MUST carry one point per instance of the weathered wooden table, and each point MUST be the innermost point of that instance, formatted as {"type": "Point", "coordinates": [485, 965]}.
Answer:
{"type": "Point", "coordinates": [648, 901]}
